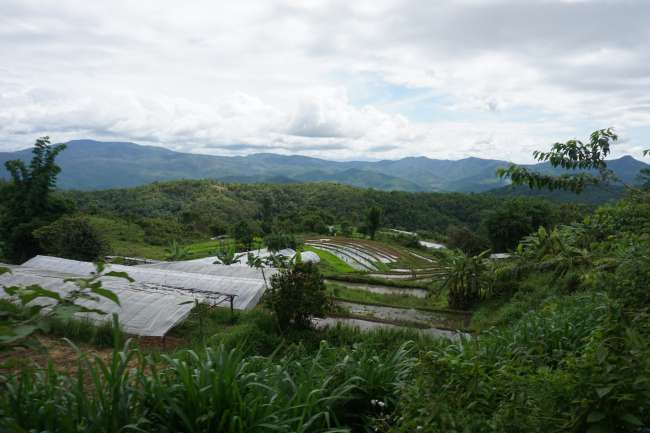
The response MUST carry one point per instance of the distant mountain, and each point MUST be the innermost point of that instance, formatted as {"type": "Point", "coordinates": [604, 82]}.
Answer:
{"type": "Point", "coordinates": [91, 165]}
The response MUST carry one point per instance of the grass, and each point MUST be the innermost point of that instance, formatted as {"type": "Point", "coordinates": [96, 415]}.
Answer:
{"type": "Point", "coordinates": [85, 331]}
{"type": "Point", "coordinates": [138, 249]}
{"type": "Point", "coordinates": [216, 389]}
{"type": "Point", "coordinates": [330, 264]}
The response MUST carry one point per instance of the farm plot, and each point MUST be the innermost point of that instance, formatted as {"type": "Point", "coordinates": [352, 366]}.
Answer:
{"type": "Point", "coordinates": [378, 260]}
{"type": "Point", "coordinates": [414, 317]}
{"type": "Point", "coordinates": [357, 258]}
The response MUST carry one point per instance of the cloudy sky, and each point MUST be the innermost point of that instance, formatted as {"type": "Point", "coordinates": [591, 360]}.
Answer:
{"type": "Point", "coordinates": [335, 79]}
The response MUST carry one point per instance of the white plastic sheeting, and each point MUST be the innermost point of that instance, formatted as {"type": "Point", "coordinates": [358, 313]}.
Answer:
{"type": "Point", "coordinates": [208, 268]}
{"type": "Point", "coordinates": [142, 310]}
{"type": "Point", "coordinates": [288, 253]}
{"type": "Point", "coordinates": [358, 260]}
{"type": "Point", "coordinates": [309, 257]}
{"type": "Point", "coordinates": [431, 245]}
{"type": "Point", "coordinates": [247, 291]}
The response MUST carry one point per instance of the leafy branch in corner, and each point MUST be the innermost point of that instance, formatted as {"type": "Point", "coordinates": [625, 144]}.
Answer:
{"type": "Point", "coordinates": [32, 308]}
{"type": "Point", "coordinates": [571, 155]}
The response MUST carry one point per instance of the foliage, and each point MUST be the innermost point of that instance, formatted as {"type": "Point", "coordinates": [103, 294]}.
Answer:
{"type": "Point", "coordinates": [33, 308]}
{"type": "Point", "coordinates": [28, 203]}
{"type": "Point", "coordinates": [571, 155]}
{"type": "Point", "coordinates": [213, 390]}
{"type": "Point", "coordinates": [227, 254]}
{"type": "Point", "coordinates": [509, 223]}
{"type": "Point", "coordinates": [278, 241]}
{"type": "Point", "coordinates": [305, 207]}
{"type": "Point", "coordinates": [73, 237]}
{"type": "Point", "coordinates": [373, 221]}
{"type": "Point", "coordinates": [465, 279]}
{"type": "Point", "coordinates": [464, 239]}
{"type": "Point", "coordinates": [243, 233]}
{"type": "Point", "coordinates": [160, 231]}
{"type": "Point", "coordinates": [297, 294]}
{"type": "Point", "coordinates": [176, 252]}
{"type": "Point", "coordinates": [570, 366]}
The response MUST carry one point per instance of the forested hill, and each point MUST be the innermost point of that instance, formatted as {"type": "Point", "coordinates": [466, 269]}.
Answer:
{"type": "Point", "coordinates": [91, 165]}
{"type": "Point", "coordinates": [206, 206]}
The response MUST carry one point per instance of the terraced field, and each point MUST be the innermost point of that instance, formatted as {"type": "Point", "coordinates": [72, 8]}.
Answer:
{"type": "Point", "coordinates": [378, 260]}
{"type": "Point", "coordinates": [376, 285]}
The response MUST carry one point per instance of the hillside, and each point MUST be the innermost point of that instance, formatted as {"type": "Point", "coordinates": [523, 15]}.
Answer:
{"type": "Point", "coordinates": [92, 165]}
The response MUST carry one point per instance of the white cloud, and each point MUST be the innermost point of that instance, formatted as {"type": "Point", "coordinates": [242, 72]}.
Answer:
{"type": "Point", "coordinates": [239, 77]}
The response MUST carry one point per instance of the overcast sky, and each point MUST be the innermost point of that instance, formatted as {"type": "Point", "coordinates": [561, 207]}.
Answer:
{"type": "Point", "coordinates": [335, 79]}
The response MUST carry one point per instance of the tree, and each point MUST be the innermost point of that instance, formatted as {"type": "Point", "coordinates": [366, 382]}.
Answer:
{"type": "Point", "coordinates": [465, 279]}
{"type": "Point", "coordinates": [373, 221]}
{"type": "Point", "coordinates": [508, 224]}
{"type": "Point", "coordinates": [28, 202]}
{"type": "Point", "coordinates": [227, 254]}
{"type": "Point", "coordinates": [297, 294]}
{"type": "Point", "coordinates": [72, 237]}
{"type": "Point", "coordinates": [464, 239]}
{"type": "Point", "coordinates": [571, 155]}
{"type": "Point", "coordinates": [279, 241]}
{"type": "Point", "coordinates": [243, 233]}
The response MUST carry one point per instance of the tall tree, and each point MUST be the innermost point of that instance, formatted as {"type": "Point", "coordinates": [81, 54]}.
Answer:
{"type": "Point", "coordinates": [373, 221]}
{"type": "Point", "coordinates": [28, 202]}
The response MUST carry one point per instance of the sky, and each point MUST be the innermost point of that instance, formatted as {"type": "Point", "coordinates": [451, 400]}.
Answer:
{"type": "Point", "coordinates": [342, 80]}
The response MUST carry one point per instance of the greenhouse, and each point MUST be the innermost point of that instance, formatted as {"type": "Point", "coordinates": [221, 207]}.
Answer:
{"type": "Point", "coordinates": [143, 310]}
{"type": "Point", "coordinates": [244, 291]}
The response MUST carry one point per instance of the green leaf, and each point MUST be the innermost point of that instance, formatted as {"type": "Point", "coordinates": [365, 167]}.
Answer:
{"type": "Point", "coordinates": [631, 419]}
{"type": "Point", "coordinates": [33, 292]}
{"type": "Point", "coordinates": [100, 266]}
{"type": "Point", "coordinates": [603, 391]}
{"type": "Point", "coordinates": [18, 333]}
{"type": "Point", "coordinates": [595, 416]}
{"type": "Point", "coordinates": [4, 270]}
{"type": "Point", "coordinates": [119, 275]}
{"type": "Point", "coordinates": [106, 293]}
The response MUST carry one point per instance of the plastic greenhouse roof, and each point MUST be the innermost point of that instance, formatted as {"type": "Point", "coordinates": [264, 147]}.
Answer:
{"type": "Point", "coordinates": [143, 310]}
{"type": "Point", "coordinates": [209, 268]}
{"type": "Point", "coordinates": [216, 288]}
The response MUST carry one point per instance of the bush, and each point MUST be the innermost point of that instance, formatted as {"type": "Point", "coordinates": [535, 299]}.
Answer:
{"type": "Point", "coordinates": [465, 279]}
{"type": "Point", "coordinates": [73, 237]}
{"type": "Point", "coordinates": [297, 294]}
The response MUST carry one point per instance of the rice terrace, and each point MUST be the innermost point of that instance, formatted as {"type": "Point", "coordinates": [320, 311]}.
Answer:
{"type": "Point", "coordinates": [281, 216]}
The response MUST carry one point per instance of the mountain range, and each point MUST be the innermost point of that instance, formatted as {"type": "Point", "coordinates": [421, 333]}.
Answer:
{"type": "Point", "coordinates": [92, 165]}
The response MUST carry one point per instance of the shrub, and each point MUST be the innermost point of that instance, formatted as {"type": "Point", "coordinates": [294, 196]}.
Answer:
{"type": "Point", "coordinates": [297, 294]}
{"type": "Point", "coordinates": [465, 279]}
{"type": "Point", "coordinates": [73, 237]}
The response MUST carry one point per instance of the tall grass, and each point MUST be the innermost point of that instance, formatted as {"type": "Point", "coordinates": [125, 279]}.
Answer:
{"type": "Point", "coordinates": [216, 390]}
